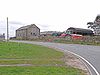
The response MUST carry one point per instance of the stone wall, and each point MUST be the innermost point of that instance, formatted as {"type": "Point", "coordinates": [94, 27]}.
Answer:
{"type": "Point", "coordinates": [21, 34]}
{"type": "Point", "coordinates": [33, 32]}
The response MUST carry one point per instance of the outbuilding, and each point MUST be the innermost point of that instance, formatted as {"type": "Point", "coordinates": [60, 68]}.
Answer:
{"type": "Point", "coordinates": [28, 32]}
{"type": "Point", "coordinates": [80, 31]}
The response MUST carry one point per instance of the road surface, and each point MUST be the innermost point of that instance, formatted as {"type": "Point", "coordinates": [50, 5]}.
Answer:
{"type": "Point", "coordinates": [90, 53]}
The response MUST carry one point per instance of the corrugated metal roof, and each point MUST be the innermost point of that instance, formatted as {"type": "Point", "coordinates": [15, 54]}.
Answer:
{"type": "Point", "coordinates": [80, 29]}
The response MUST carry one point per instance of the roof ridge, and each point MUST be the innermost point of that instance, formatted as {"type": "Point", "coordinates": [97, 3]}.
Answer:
{"type": "Point", "coordinates": [26, 27]}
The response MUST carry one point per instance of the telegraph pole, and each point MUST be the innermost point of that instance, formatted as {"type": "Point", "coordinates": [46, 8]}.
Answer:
{"type": "Point", "coordinates": [7, 30]}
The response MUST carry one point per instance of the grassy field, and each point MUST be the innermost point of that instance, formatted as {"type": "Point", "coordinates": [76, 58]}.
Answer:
{"type": "Point", "coordinates": [43, 60]}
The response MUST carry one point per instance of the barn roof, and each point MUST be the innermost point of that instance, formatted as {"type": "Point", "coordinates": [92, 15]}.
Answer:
{"type": "Point", "coordinates": [26, 27]}
{"type": "Point", "coordinates": [80, 29]}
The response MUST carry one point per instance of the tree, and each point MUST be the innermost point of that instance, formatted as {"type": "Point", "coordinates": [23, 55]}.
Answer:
{"type": "Point", "coordinates": [95, 25]}
{"type": "Point", "coordinates": [90, 25]}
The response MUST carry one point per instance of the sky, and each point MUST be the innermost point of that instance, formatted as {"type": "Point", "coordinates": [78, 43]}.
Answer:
{"type": "Point", "coordinates": [48, 15]}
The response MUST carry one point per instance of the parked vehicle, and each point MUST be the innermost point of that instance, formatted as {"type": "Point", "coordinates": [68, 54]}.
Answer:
{"type": "Point", "coordinates": [76, 36]}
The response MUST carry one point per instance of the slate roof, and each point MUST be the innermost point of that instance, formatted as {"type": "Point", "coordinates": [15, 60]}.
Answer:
{"type": "Point", "coordinates": [26, 27]}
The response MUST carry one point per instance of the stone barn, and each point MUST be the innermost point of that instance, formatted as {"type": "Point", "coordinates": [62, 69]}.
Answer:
{"type": "Point", "coordinates": [28, 32]}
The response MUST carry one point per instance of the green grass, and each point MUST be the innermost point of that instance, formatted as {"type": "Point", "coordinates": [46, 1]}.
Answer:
{"type": "Point", "coordinates": [27, 51]}
{"type": "Point", "coordinates": [32, 61]}
{"type": "Point", "coordinates": [42, 59]}
{"type": "Point", "coordinates": [39, 71]}
{"type": "Point", "coordinates": [28, 54]}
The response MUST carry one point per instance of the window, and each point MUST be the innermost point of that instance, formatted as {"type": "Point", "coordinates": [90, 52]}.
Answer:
{"type": "Point", "coordinates": [34, 34]}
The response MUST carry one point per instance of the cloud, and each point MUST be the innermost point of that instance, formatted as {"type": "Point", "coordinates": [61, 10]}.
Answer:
{"type": "Point", "coordinates": [43, 27]}
{"type": "Point", "coordinates": [16, 22]}
{"type": "Point", "coordinates": [2, 26]}
{"type": "Point", "coordinates": [13, 25]}
{"type": "Point", "coordinates": [12, 22]}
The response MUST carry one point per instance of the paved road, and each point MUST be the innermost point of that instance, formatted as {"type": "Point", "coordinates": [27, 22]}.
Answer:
{"type": "Point", "coordinates": [90, 53]}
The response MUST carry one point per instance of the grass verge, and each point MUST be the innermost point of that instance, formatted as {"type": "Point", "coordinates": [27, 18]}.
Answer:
{"type": "Point", "coordinates": [39, 71]}
{"type": "Point", "coordinates": [44, 61]}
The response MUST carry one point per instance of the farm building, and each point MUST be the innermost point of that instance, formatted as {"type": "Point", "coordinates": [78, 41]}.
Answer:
{"type": "Point", "coordinates": [28, 32]}
{"type": "Point", "coordinates": [80, 31]}
{"type": "Point", "coordinates": [48, 33]}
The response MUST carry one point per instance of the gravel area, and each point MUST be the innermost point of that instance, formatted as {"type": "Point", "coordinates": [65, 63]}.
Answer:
{"type": "Point", "coordinates": [73, 61]}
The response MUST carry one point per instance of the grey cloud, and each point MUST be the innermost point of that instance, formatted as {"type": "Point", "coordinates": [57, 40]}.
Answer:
{"type": "Point", "coordinates": [44, 26]}
{"type": "Point", "coordinates": [16, 22]}
{"type": "Point", "coordinates": [12, 22]}
{"type": "Point", "coordinates": [2, 22]}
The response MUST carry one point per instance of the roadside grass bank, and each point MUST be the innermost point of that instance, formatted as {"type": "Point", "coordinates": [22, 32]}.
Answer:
{"type": "Point", "coordinates": [67, 40]}
{"type": "Point", "coordinates": [43, 60]}
{"type": "Point", "coordinates": [77, 42]}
